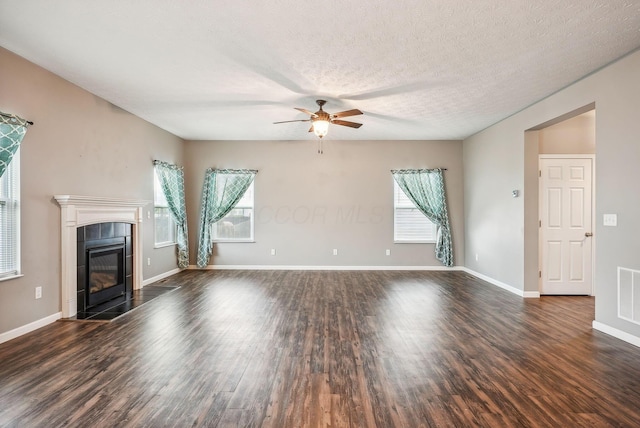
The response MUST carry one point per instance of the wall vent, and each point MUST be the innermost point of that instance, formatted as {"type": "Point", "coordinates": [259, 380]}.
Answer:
{"type": "Point", "coordinates": [629, 294]}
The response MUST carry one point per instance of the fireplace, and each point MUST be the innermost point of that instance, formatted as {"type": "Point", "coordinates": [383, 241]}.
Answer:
{"type": "Point", "coordinates": [105, 263]}
{"type": "Point", "coordinates": [85, 219]}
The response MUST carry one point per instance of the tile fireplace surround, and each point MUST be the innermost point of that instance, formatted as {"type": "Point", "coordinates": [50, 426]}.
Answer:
{"type": "Point", "coordinates": [77, 211]}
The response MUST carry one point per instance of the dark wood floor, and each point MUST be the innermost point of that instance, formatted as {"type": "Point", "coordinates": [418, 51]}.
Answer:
{"type": "Point", "coordinates": [339, 349]}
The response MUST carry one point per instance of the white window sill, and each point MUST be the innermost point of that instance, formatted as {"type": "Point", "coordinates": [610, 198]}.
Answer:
{"type": "Point", "coordinates": [7, 278]}
{"type": "Point", "coordinates": [164, 244]}
{"type": "Point", "coordinates": [245, 241]}
{"type": "Point", "coordinates": [414, 242]}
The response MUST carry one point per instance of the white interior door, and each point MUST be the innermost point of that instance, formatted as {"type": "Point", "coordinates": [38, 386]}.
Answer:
{"type": "Point", "coordinates": [565, 226]}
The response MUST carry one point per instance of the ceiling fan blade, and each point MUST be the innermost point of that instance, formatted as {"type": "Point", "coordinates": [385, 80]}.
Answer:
{"type": "Point", "coordinates": [288, 121]}
{"type": "Point", "coordinates": [305, 111]}
{"type": "Point", "coordinates": [346, 113]}
{"type": "Point", "coordinates": [346, 123]}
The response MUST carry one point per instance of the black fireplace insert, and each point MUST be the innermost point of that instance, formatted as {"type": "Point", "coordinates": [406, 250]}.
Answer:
{"type": "Point", "coordinates": [105, 277]}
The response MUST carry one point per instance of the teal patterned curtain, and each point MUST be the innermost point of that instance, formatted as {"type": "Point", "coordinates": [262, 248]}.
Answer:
{"type": "Point", "coordinates": [171, 179]}
{"type": "Point", "coordinates": [12, 130]}
{"type": "Point", "coordinates": [222, 190]}
{"type": "Point", "coordinates": [425, 188]}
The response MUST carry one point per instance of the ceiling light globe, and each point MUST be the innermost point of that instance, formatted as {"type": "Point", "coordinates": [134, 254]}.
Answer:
{"type": "Point", "coordinates": [320, 128]}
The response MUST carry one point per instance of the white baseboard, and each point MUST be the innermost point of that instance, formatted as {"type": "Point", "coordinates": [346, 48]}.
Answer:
{"type": "Point", "coordinates": [161, 276]}
{"type": "Point", "coordinates": [514, 290]}
{"type": "Point", "coordinates": [619, 334]}
{"type": "Point", "coordinates": [28, 328]}
{"type": "Point", "coordinates": [521, 293]}
{"type": "Point", "coordinates": [297, 267]}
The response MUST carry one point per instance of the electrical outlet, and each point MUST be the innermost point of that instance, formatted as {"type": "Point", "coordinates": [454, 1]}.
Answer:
{"type": "Point", "coordinates": [38, 292]}
{"type": "Point", "coordinates": [335, 251]}
{"type": "Point", "coordinates": [149, 215]}
{"type": "Point", "coordinates": [477, 257]}
{"type": "Point", "coordinates": [388, 252]}
{"type": "Point", "coordinates": [273, 251]}
{"type": "Point", "coordinates": [148, 261]}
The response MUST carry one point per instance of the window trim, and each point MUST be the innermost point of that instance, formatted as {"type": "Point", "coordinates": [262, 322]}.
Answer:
{"type": "Point", "coordinates": [164, 244]}
{"type": "Point", "coordinates": [409, 205]}
{"type": "Point", "coordinates": [156, 243]}
{"type": "Point", "coordinates": [14, 168]}
{"type": "Point", "coordinates": [251, 238]}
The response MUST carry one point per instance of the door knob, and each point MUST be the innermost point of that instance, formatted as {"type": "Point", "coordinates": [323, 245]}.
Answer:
{"type": "Point", "coordinates": [588, 234]}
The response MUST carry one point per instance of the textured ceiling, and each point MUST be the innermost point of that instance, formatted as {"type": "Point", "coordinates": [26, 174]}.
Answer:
{"type": "Point", "coordinates": [227, 69]}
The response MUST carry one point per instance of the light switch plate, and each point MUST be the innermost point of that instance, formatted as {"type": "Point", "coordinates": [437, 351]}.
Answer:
{"type": "Point", "coordinates": [610, 220]}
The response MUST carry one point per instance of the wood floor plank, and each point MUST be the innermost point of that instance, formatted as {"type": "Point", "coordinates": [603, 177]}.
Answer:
{"type": "Point", "coordinates": [326, 349]}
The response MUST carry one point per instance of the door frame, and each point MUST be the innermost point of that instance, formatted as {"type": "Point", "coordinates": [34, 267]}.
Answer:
{"type": "Point", "coordinates": [593, 214]}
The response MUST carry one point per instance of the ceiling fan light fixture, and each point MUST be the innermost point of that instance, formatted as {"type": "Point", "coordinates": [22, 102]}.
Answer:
{"type": "Point", "coordinates": [320, 127]}
{"type": "Point", "coordinates": [320, 120]}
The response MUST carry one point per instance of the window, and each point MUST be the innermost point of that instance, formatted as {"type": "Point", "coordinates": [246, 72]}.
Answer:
{"type": "Point", "coordinates": [165, 227]}
{"type": "Point", "coordinates": [237, 225]}
{"type": "Point", "coordinates": [10, 219]}
{"type": "Point", "coordinates": [409, 224]}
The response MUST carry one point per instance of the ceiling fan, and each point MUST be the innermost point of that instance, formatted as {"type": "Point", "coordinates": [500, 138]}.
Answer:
{"type": "Point", "coordinates": [320, 120]}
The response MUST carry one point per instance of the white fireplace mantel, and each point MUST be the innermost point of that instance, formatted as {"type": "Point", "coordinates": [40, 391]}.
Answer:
{"type": "Point", "coordinates": [78, 211]}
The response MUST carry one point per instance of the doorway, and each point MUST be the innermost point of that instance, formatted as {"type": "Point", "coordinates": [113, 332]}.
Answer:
{"type": "Point", "coordinates": [566, 198]}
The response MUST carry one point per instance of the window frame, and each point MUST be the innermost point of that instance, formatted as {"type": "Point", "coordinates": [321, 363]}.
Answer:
{"type": "Point", "coordinates": [13, 197]}
{"type": "Point", "coordinates": [161, 204]}
{"type": "Point", "coordinates": [407, 204]}
{"type": "Point", "coordinates": [251, 238]}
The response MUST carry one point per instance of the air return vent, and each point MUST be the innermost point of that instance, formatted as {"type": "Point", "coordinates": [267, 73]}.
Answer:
{"type": "Point", "coordinates": [629, 294]}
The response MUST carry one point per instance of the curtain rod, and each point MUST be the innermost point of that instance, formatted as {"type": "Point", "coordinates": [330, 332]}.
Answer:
{"type": "Point", "coordinates": [419, 169]}
{"type": "Point", "coordinates": [11, 116]}
{"type": "Point", "coordinates": [166, 164]}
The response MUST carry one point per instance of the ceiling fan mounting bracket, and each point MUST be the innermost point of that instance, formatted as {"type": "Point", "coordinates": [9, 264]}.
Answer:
{"type": "Point", "coordinates": [321, 114]}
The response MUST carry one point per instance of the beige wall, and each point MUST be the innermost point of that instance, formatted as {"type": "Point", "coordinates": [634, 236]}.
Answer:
{"type": "Point", "coordinates": [80, 144]}
{"type": "Point", "coordinates": [308, 204]}
{"type": "Point", "coordinates": [493, 217]}
{"type": "Point", "coordinates": [572, 136]}
{"type": "Point", "coordinates": [495, 159]}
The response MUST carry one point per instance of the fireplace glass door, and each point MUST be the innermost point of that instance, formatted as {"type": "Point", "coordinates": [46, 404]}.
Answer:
{"type": "Point", "coordinates": [105, 275]}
